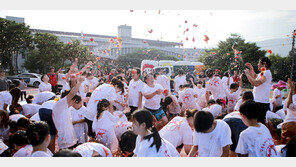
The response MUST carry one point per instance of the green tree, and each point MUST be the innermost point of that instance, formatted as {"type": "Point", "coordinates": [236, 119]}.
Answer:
{"type": "Point", "coordinates": [135, 58]}
{"type": "Point", "coordinates": [47, 53]}
{"type": "Point", "coordinates": [15, 39]}
{"type": "Point", "coordinates": [223, 57]}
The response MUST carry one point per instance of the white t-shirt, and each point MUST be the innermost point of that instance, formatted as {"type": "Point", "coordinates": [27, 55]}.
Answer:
{"type": "Point", "coordinates": [120, 116]}
{"type": "Point", "coordinates": [281, 113]}
{"type": "Point", "coordinates": [199, 92]}
{"type": "Point", "coordinates": [238, 104]}
{"type": "Point", "coordinates": [104, 130]}
{"type": "Point", "coordinates": [104, 91]}
{"type": "Point", "coordinates": [40, 154]}
{"type": "Point", "coordinates": [44, 87]}
{"type": "Point", "coordinates": [134, 88]}
{"type": "Point", "coordinates": [154, 102]}
{"type": "Point", "coordinates": [271, 115]}
{"type": "Point", "coordinates": [143, 148]}
{"type": "Point", "coordinates": [27, 151]}
{"type": "Point", "coordinates": [80, 128]}
{"type": "Point", "coordinates": [279, 150]}
{"type": "Point", "coordinates": [177, 132]}
{"type": "Point", "coordinates": [262, 92]}
{"type": "Point", "coordinates": [87, 149]}
{"type": "Point", "coordinates": [179, 81]}
{"type": "Point", "coordinates": [91, 84]}
{"type": "Point", "coordinates": [42, 97]}
{"type": "Point", "coordinates": [224, 81]}
{"type": "Point", "coordinates": [277, 101]}
{"type": "Point", "coordinates": [30, 109]}
{"type": "Point", "coordinates": [215, 109]}
{"type": "Point", "coordinates": [232, 98]}
{"type": "Point", "coordinates": [62, 119]}
{"type": "Point", "coordinates": [202, 101]}
{"type": "Point", "coordinates": [215, 86]}
{"type": "Point", "coordinates": [3, 146]}
{"type": "Point", "coordinates": [234, 114]}
{"type": "Point", "coordinates": [5, 98]}
{"type": "Point", "coordinates": [186, 97]}
{"type": "Point", "coordinates": [164, 81]}
{"type": "Point", "coordinates": [120, 99]}
{"type": "Point", "coordinates": [121, 127]}
{"type": "Point", "coordinates": [211, 144]}
{"type": "Point", "coordinates": [256, 142]}
{"type": "Point", "coordinates": [15, 117]}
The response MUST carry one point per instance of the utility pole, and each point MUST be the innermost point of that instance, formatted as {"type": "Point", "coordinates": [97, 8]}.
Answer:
{"type": "Point", "coordinates": [292, 53]}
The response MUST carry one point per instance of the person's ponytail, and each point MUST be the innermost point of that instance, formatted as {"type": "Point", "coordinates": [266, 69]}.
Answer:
{"type": "Point", "coordinates": [102, 104]}
{"type": "Point", "coordinates": [156, 138]}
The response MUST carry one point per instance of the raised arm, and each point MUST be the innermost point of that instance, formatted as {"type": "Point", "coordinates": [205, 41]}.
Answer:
{"type": "Point", "coordinates": [291, 85]}
{"type": "Point", "coordinates": [75, 89]}
{"type": "Point", "coordinates": [253, 80]}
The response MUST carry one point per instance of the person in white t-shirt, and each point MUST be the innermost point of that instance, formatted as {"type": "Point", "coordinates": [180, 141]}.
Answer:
{"type": "Point", "coordinates": [44, 85]}
{"type": "Point", "coordinates": [289, 124]}
{"type": "Point", "coordinates": [256, 140]}
{"type": "Point", "coordinates": [78, 113]}
{"type": "Point", "coordinates": [163, 80]}
{"type": "Point", "coordinates": [214, 108]}
{"type": "Point", "coordinates": [262, 85]}
{"type": "Point", "coordinates": [39, 137]}
{"type": "Point", "coordinates": [90, 83]}
{"type": "Point", "coordinates": [179, 131]}
{"type": "Point", "coordinates": [180, 79]}
{"type": "Point", "coordinates": [233, 94]}
{"type": "Point", "coordinates": [277, 97]}
{"type": "Point", "coordinates": [92, 149]}
{"type": "Point", "coordinates": [211, 138]}
{"type": "Point", "coordinates": [21, 144]}
{"type": "Point", "coordinates": [172, 106]}
{"type": "Point", "coordinates": [149, 143]}
{"type": "Point", "coordinates": [152, 93]}
{"type": "Point", "coordinates": [187, 98]}
{"type": "Point", "coordinates": [42, 97]}
{"type": "Point", "coordinates": [30, 109]}
{"type": "Point", "coordinates": [119, 102]}
{"type": "Point", "coordinates": [62, 117]}
{"type": "Point", "coordinates": [103, 126]}
{"type": "Point", "coordinates": [5, 100]}
{"type": "Point", "coordinates": [200, 91]}
{"type": "Point", "coordinates": [134, 97]}
{"type": "Point", "coordinates": [214, 85]}
{"type": "Point", "coordinates": [225, 78]}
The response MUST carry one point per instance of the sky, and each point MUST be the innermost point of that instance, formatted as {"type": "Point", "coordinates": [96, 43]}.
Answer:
{"type": "Point", "coordinates": [167, 25]}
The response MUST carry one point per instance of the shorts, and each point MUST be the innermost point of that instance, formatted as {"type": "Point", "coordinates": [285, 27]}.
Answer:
{"type": "Point", "coordinates": [157, 113]}
{"type": "Point", "coordinates": [237, 126]}
{"type": "Point", "coordinates": [288, 131]}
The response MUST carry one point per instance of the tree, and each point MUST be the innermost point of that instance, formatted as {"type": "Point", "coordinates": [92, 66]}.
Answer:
{"type": "Point", "coordinates": [15, 39]}
{"type": "Point", "coordinates": [223, 57]}
{"type": "Point", "coordinates": [47, 53]}
{"type": "Point", "coordinates": [134, 59]}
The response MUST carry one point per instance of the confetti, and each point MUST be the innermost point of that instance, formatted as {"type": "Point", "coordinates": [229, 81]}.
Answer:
{"type": "Point", "coordinates": [184, 56]}
{"type": "Point", "coordinates": [269, 51]}
{"type": "Point", "coordinates": [144, 41]}
{"type": "Point", "coordinates": [91, 53]}
{"type": "Point", "coordinates": [155, 58]}
{"type": "Point", "coordinates": [143, 51]}
{"type": "Point", "coordinates": [193, 39]}
{"type": "Point", "coordinates": [91, 39]}
{"type": "Point", "coordinates": [157, 55]}
{"type": "Point", "coordinates": [186, 38]}
{"type": "Point", "coordinates": [166, 92]}
{"type": "Point", "coordinates": [98, 58]}
{"type": "Point", "coordinates": [194, 48]}
{"type": "Point", "coordinates": [186, 21]}
{"type": "Point", "coordinates": [187, 29]}
{"type": "Point", "coordinates": [228, 54]}
{"type": "Point", "coordinates": [150, 31]}
{"type": "Point", "coordinates": [99, 66]}
{"type": "Point", "coordinates": [206, 39]}
{"type": "Point", "coordinates": [131, 10]}
{"type": "Point", "coordinates": [214, 53]}
{"type": "Point", "coordinates": [69, 43]}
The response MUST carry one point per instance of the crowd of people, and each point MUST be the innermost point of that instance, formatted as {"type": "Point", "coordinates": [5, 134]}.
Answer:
{"type": "Point", "coordinates": [128, 113]}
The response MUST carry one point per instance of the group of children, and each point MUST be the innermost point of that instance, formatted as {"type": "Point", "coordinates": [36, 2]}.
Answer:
{"type": "Point", "coordinates": [145, 118]}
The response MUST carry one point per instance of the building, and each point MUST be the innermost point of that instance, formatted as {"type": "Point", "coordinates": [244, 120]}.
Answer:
{"type": "Point", "coordinates": [101, 45]}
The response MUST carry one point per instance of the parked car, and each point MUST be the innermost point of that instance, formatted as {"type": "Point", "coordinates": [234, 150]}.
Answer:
{"type": "Point", "coordinates": [35, 79]}
{"type": "Point", "coordinates": [16, 77]}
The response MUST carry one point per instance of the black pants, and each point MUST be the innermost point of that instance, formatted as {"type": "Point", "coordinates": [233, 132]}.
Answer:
{"type": "Point", "coordinates": [264, 107]}
{"type": "Point", "coordinates": [25, 95]}
{"type": "Point", "coordinates": [54, 89]}
{"type": "Point", "coordinates": [89, 125]}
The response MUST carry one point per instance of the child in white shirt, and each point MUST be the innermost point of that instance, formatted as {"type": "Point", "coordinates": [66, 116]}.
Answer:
{"type": "Point", "coordinates": [103, 126]}
{"type": "Point", "coordinates": [215, 85]}
{"type": "Point", "coordinates": [39, 137]}
{"type": "Point", "coordinates": [212, 138]}
{"type": "Point", "coordinates": [233, 94]}
{"type": "Point", "coordinates": [256, 140]}
{"type": "Point", "coordinates": [149, 143]}
{"type": "Point", "coordinates": [44, 85]}
{"type": "Point", "coordinates": [187, 98]}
